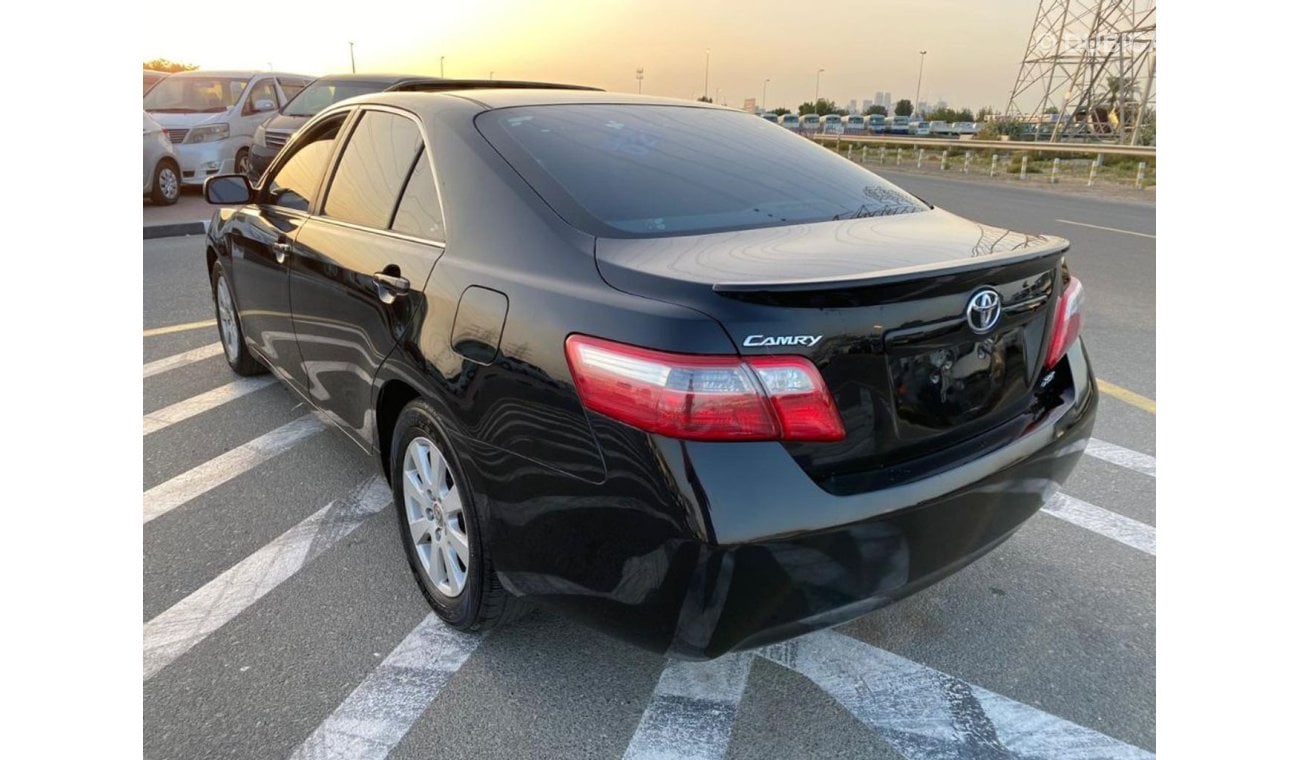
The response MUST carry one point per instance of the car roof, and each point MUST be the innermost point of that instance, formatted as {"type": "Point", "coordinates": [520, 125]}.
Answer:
{"type": "Point", "coordinates": [237, 73]}
{"type": "Point", "coordinates": [385, 78]}
{"type": "Point", "coordinates": [507, 97]}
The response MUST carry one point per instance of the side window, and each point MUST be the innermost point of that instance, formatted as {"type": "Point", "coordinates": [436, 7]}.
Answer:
{"type": "Point", "coordinates": [374, 166]}
{"type": "Point", "coordinates": [291, 87]}
{"type": "Point", "coordinates": [419, 214]}
{"type": "Point", "coordinates": [294, 184]}
{"type": "Point", "coordinates": [264, 89]}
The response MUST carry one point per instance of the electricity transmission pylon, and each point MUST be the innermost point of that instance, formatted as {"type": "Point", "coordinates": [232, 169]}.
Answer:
{"type": "Point", "coordinates": [1093, 62]}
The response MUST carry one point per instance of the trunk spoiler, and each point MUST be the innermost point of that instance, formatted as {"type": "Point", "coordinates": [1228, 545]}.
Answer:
{"type": "Point", "coordinates": [892, 276]}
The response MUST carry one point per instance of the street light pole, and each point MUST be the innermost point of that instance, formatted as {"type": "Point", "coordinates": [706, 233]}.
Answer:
{"type": "Point", "coordinates": [706, 73]}
{"type": "Point", "coordinates": [817, 94]}
{"type": "Point", "coordinates": [353, 57]}
{"type": "Point", "coordinates": [640, 74]}
{"type": "Point", "coordinates": [442, 71]}
{"type": "Point", "coordinates": [916, 104]}
{"type": "Point", "coordinates": [765, 81]}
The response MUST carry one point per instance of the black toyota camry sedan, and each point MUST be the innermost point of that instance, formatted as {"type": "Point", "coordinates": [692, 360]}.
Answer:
{"type": "Point", "coordinates": [695, 380]}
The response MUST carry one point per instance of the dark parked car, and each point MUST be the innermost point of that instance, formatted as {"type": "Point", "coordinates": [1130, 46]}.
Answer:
{"type": "Point", "coordinates": [701, 393]}
{"type": "Point", "coordinates": [328, 90]}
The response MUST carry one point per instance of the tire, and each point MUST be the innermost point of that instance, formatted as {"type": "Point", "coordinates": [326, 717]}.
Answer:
{"type": "Point", "coordinates": [480, 602]}
{"type": "Point", "coordinates": [166, 183]}
{"type": "Point", "coordinates": [238, 356]}
{"type": "Point", "coordinates": [242, 164]}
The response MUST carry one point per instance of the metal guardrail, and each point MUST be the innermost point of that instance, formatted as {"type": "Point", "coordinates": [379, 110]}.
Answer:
{"type": "Point", "coordinates": [1105, 149]}
{"type": "Point", "coordinates": [1052, 162]}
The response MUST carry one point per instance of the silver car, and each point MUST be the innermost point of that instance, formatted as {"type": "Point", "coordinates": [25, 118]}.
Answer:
{"type": "Point", "coordinates": [210, 116]}
{"type": "Point", "coordinates": [162, 172]}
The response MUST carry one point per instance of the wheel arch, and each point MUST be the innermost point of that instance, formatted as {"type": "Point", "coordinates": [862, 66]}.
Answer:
{"type": "Point", "coordinates": [212, 261]}
{"type": "Point", "coordinates": [392, 398]}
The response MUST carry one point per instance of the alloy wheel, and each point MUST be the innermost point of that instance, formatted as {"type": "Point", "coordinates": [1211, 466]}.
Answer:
{"type": "Point", "coordinates": [226, 315]}
{"type": "Point", "coordinates": [436, 517]}
{"type": "Point", "coordinates": [169, 183]}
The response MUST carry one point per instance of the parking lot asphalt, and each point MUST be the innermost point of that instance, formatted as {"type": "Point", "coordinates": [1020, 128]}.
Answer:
{"type": "Point", "coordinates": [280, 619]}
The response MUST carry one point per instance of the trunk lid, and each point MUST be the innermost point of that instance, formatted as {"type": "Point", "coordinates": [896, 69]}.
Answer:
{"type": "Point", "coordinates": [880, 307]}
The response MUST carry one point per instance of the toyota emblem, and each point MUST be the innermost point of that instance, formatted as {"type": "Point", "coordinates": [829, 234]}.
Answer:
{"type": "Point", "coordinates": [983, 310]}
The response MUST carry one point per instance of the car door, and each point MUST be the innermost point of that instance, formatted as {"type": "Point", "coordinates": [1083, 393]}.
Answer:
{"type": "Point", "coordinates": [262, 239]}
{"type": "Point", "coordinates": [361, 263]}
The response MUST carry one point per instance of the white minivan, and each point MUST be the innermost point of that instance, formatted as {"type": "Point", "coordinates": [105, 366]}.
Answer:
{"type": "Point", "coordinates": [210, 116]}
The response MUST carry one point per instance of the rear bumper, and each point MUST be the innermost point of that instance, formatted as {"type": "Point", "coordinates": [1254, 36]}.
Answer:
{"type": "Point", "coordinates": [716, 580]}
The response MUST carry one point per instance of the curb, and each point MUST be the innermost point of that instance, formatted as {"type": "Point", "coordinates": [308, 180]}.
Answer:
{"type": "Point", "coordinates": [178, 229]}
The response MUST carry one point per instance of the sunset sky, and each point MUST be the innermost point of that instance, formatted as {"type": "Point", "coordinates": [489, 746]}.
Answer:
{"type": "Point", "coordinates": [974, 48]}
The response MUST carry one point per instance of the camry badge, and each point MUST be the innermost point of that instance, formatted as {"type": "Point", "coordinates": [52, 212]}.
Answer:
{"type": "Point", "coordinates": [983, 310]}
{"type": "Point", "coordinates": [782, 340]}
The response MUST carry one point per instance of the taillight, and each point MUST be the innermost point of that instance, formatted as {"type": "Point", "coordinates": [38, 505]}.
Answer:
{"type": "Point", "coordinates": [704, 398]}
{"type": "Point", "coordinates": [1066, 323]}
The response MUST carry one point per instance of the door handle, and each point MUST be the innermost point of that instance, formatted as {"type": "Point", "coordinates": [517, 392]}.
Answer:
{"type": "Point", "coordinates": [281, 251]}
{"type": "Point", "coordinates": [391, 285]}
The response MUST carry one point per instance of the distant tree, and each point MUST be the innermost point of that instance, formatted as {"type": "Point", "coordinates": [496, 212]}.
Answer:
{"type": "Point", "coordinates": [945, 114]}
{"type": "Point", "coordinates": [1051, 110]}
{"type": "Point", "coordinates": [781, 111]}
{"type": "Point", "coordinates": [903, 108]}
{"type": "Point", "coordinates": [965, 115]}
{"type": "Point", "coordinates": [984, 113]}
{"type": "Point", "coordinates": [705, 99]}
{"type": "Point", "coordinates": [171, 67]}
{"type": "Point", "coordinates": [821, 107]}
{"type": "Point", "coordinates": [873, 109]}
{"type": "Point", "coordinates": [842, 111]}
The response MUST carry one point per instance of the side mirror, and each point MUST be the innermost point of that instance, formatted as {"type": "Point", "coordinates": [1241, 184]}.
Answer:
{"type": "Point", "coordinates": [263, 105]}
{"type": "Point", "coordinates": [227, 189]}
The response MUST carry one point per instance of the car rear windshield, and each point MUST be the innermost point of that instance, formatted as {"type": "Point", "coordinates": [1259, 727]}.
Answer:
{"type": "Point", "coordinates": [322, 93]}
{"type": "Point", "coordinates": [653, 170]}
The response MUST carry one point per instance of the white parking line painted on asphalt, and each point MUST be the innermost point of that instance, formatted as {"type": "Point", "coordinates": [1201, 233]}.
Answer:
{"type": "Point", "coordinates": [191, 620]}
{"type": "Point", "coordinates": [384, 706]}
{"type": "Point", "coordinates": [692, 710]}
{"type": "Point", "coordinates": [1114, 526]}
{"type": "Point", "coordinates": [169, 495]}
{"type": "Point", "coordinates": [1128, 458]}
{"type": "Point", "coordinates": [183, 410]}
{"type": "Point", "coordinates": [1108, 229]}
{"type": "Point", "coordinates": [182, 359]}
{"type": "Point", "coordinates": [169, 329]}
{"type": "Point", "coordinates": [925, 713]}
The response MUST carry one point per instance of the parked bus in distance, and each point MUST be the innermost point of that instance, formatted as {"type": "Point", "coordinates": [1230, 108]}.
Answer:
{"type": "Point", "coordinates": [876, 123]}
{"type": "Point", "coordinates": [769, 116]}
{"type": "Point", "coordinates": [789, 120]}
{"type": "Point", "coordinates": [900, 125]}
{"type": "Point", "coordinates": [832, 124]}
{"type": "Point", "coordinates": [810, 122]}
{"type": "Point", "coordinates": [855, 124]}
